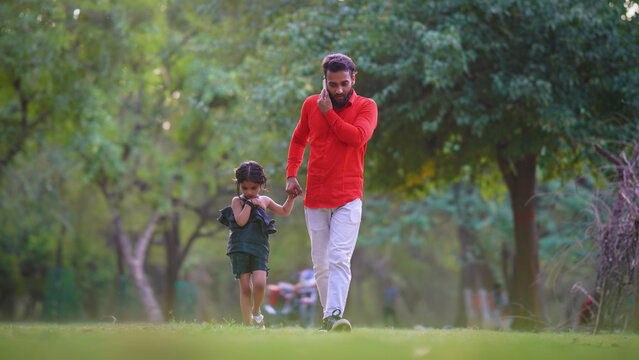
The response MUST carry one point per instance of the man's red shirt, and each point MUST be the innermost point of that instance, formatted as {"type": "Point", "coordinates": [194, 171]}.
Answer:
{"type": "Point", "coordinates": [337, 147]}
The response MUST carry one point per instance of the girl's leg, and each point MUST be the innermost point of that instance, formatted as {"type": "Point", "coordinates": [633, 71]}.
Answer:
{"type": "Point", "coordinates": [246, 292]}
{"type": "Point", "coordinates": [259, 286]}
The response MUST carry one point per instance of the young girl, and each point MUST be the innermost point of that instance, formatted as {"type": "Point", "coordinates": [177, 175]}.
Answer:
{"type": "Point", "coordinates": [249, 228]}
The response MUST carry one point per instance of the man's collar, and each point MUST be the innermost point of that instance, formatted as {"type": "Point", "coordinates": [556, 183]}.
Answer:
{"type": "Point", "coordinates": [351, 100]}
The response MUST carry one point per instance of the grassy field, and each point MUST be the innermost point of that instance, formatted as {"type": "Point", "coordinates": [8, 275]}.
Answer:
{"type": "Point", "coordinates": [210, 341]}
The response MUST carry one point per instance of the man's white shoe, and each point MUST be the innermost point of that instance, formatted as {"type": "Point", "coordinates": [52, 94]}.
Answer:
{"type": "Point", "coordinates": [341, 325]}
{"type": "Point", "coordinates": [336, 323]}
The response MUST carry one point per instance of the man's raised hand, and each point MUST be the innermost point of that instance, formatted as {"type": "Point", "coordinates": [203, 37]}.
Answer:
{"type": "Point", "coordinates": [324, 101]}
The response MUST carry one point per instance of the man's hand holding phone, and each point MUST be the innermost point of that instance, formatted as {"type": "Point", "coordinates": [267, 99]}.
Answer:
{"type": "Point", "coordinates": [324, 101]}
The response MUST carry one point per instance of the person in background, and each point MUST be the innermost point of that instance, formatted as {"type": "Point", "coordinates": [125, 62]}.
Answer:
{"type": "Point", "coordinates": [390, 296]}
{"type": "Point", "coordinates": [501, 307]}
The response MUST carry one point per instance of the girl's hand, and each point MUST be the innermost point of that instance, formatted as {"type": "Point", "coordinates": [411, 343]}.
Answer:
{"type": "Point", "coordinates": [260, 201]}
{"type": "Point", "coordinates": [254, 201]}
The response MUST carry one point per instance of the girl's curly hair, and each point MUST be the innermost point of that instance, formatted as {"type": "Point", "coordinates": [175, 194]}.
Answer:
{"type": "Point", "coordinates": [249, 171]}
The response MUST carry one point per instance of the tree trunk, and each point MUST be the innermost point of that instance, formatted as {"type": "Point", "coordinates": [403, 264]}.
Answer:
{"type": "Point", "coordinates": [176, 253]}
{"type": "Point", "coordinates": [117, 281]}
{"type": "Point", "coordinates": [145, 292]}
{"type": "Point", "coordinates": [135, 259]}
{"type": "Point", "coordinates": [172, 243]}
{"type": "Point", "coordinates": [519, 176]}
{"type": "Point", "coordinates": [119, 258]}
{"type": "Point", "coordinates": [91, 302]}
{"type": "Point", "coordinates": [58, 252]}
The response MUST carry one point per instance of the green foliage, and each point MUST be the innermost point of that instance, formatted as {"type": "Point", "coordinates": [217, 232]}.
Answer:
{"type": "Point", "coordinates": [28, 229]}
{"type": "Point", "coordinates": [61, 300]}
{"type": "Point", "coordinates": [41, 218]}
{"type": "Point", "coordinates": [186, 301]}
{"type": "Point", "coordinates": [139, 96]}
{"type": "Point", "coordinates": [457, 80]}
{"type": "Point", "coordinates": [566, 217]}
{"type": "Point", "coordinates": [156, 102]}
{"type": "Point", "coordinates": [522, 82]}
{"type": "Point", "coordinates": [430, 226]}
{"type": "Point", "coordinates": [54, 64]}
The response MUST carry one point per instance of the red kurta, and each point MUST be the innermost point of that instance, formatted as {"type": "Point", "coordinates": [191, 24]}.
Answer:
{"type": "Point", "coordinates": [337, 147]}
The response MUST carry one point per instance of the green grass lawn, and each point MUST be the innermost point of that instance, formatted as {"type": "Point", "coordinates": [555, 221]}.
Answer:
{"type": "Point", "coordinates": [211, 341]}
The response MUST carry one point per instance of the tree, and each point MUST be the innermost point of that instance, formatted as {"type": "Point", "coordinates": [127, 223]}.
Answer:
{"type": "Point", "coordinates": [210, 39]}
{"type": "Point", "coordinates": [509, 82]}
{"type": "Point", "coordinates": [164, 145]}
{"type": "Point", "coordinates": [47, 226]}
{"type": "Point", "coordinates": [145, 96]}
{"type": "Point", "coordinates": [163, 139]}
{"type": "Point", "coordinates": [30, 232]}
{"type": "Point", "coordinates": [472, 89]}
{"type": "Point", "coordinates": [51, 69]}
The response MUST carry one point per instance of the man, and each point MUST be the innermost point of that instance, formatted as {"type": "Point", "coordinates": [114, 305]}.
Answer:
{"type": "Point", "coordinates": [338, 123]}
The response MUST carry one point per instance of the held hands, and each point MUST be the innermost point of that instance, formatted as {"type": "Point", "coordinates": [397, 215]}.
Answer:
{"type": "Point", "coordinates": [293, 188]}
{"type": "Point", "coordinates": [264, 202]}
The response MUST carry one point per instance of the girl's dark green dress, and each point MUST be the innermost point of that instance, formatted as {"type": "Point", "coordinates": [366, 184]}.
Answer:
{"type": "Point", "coordinates": [252, 238]}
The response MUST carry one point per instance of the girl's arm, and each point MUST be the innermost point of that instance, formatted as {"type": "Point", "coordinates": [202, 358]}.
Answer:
{"type": "Point", "coordinates": [283, 210]}
{"type": "Point", "coordinates": [241, 212]}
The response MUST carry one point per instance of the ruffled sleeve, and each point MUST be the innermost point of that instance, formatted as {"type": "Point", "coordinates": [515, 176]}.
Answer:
{"type": "Point", "coordinates": [267, 224]}
{"type": "Point", "coordinates": [226, 218]}
{"type": "Point", "coordinates": [259, 219]}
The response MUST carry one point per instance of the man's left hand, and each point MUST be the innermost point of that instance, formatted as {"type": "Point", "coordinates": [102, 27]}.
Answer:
{"type": "Point", "coordinates": [324, 102]}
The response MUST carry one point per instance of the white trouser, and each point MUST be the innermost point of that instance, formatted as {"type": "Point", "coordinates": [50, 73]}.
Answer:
{"type": "Point", "coordinates": [333, 234]}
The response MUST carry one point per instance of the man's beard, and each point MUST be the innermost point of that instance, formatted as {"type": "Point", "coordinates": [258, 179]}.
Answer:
{"type": "Point", "coordinates": [340, 103]}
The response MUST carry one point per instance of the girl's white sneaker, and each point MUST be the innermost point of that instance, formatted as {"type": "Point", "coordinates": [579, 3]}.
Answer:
{"type": "Point", "coordinates": [258, 321]}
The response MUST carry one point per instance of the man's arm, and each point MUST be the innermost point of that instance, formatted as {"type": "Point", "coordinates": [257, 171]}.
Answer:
{"type": "Point", "coordinates": [296, 152]}
{"type": "Point", "coordinates": [360, 131]}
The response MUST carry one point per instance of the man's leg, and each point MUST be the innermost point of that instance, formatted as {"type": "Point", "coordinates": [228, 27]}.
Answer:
{"type": "Point", "coordinates": [344, 228]}
{"type": "Point", "coordinates": [318, 223]}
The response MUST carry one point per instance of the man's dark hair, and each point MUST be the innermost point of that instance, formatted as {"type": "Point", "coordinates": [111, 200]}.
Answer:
{"type": "Point", "coordinates": [338, 62]}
